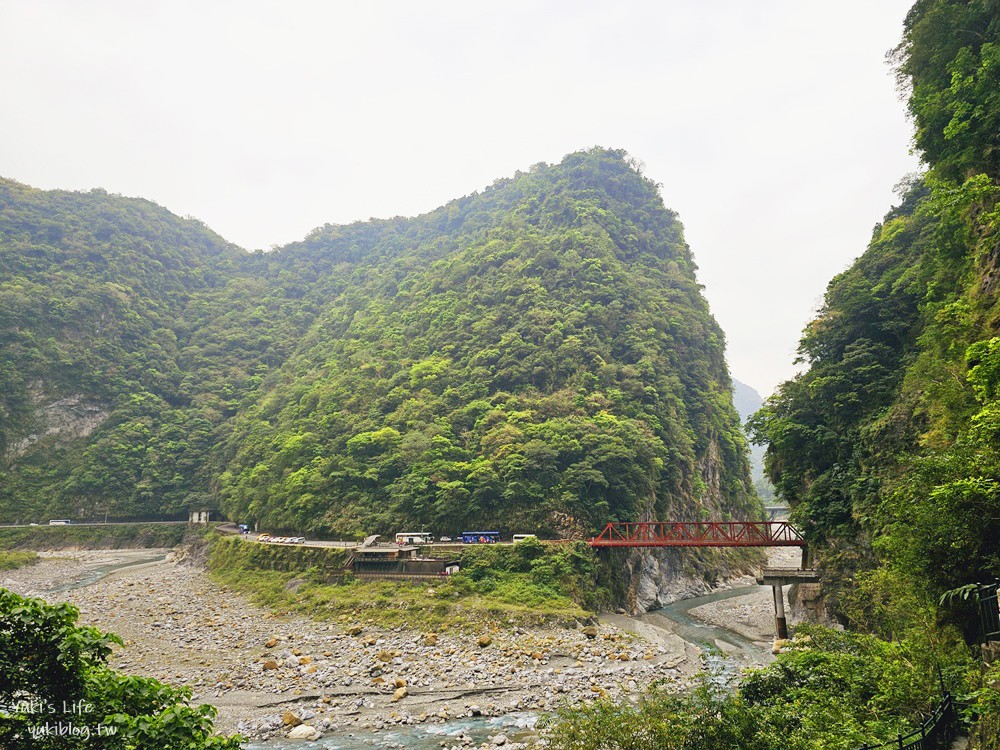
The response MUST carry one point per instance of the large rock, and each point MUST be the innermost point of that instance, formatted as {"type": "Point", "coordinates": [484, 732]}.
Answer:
{"type": "Point", "coordinates": [289, 719]}
{"type": "Point", "coordinates": [807, 603]}
{"type": "Point", "coordinates": [303, 732]}
{"type": "Point", "coordinates": [399, 694]}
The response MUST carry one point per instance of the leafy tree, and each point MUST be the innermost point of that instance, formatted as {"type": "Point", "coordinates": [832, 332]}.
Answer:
{"type": "Point", "coordinates": [53, 672]}
{"type": "Point", "coordinates": [828, 689]}
{"type": "Point", "coordinates": [949, 60]}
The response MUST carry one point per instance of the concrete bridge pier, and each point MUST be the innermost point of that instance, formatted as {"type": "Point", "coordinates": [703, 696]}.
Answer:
{"type": "Point", "coordinates": [780, 624]}
{"type": "Point", "coordinates": [776, 578]}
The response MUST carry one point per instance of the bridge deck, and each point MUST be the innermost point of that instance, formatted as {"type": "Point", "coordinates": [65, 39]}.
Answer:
{"type": "Point", "coordinates": [699, 534]}
{"type": "Point", "coordinates": [785, 576]}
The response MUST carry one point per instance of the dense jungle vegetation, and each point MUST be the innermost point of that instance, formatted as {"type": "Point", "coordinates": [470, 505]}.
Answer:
{"type": "Point", "coordinates": [888, 445]}
{"type": "Point", "coordinates": [537, 356]}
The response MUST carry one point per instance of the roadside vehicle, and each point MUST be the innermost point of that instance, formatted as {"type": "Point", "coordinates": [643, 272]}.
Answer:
{"type": "Point", "coordinates": [60, 522]}
{"type": "Point", "coordinates": [414, 537]}
{"type": "Point", "coordinates": [521, 537]}
{"type": "Point", "coordinates": [480, 537]}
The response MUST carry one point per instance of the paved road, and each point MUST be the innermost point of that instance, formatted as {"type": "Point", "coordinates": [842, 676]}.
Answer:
{"type": "Point", "coordinates": [88, 523]}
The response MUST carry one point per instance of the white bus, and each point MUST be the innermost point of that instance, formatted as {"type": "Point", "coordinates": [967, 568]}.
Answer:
{"type": "Point", "coordinates": [521, 537]}
{"type": "Point", "coordinates": [59, 522]}
{"type": "Point", "coordinates": [414, 537]}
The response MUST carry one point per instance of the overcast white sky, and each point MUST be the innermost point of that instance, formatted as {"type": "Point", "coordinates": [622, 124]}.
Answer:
{"type": "Point", "coordinates": [774, 126]}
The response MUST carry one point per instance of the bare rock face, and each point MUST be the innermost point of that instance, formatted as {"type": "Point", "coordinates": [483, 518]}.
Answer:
{"type": "Point", "coordinates": [658, 578]}
{"type": "Point", "coordinates": [67, 419]}
{"type": "Point", "coordinates": [807, 603]}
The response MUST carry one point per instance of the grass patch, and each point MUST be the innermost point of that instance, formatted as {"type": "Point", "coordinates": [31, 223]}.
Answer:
{"type": "Point", "coordinates": [526, 584]}
{"type": "Point", "coordinates": [15, 560]}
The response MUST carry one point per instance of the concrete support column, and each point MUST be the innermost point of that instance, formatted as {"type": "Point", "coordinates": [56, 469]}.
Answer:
{"type": "Point", "coordinates": [806, 558]}
{"type": "Point", "coordinates": [780, 625]}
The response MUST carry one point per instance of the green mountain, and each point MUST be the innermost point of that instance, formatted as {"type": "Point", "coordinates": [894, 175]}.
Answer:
{"type": "Point", "coordinates": [888, 447]}
{"type": "Point", "coordinates": [535, 356]}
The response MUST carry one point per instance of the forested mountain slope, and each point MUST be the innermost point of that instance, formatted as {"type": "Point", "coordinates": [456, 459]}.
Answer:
{"type": "Point", "coordinates": [537, 355]}
{"type": "Point", "coordinates": [889, 445]}
{"type": "Point", "coordinates": [93, 294]}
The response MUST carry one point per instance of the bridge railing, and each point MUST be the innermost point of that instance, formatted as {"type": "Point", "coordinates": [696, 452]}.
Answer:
{"type": "Point", "coordinates": [989, 612]}
{"type": "Point", "coordinates": [936, 732]}
{"type": "Point", "coordinates": [699, 534]}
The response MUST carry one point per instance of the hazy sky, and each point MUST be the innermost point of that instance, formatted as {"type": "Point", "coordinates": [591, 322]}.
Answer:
{"type": "Point", "coordinates": [774, 126]}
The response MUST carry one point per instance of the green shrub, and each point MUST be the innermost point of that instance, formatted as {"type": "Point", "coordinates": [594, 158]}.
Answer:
{"type": "Point", "coordinates": [14, 560]}
{"type": "Point", "coordinates": [832, 690]}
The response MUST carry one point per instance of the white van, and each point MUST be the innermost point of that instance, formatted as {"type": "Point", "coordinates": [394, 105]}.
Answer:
{"type": "Point", "coordinates": [414, 537]}
{"type": "Point", "coordinates": [521, 537]}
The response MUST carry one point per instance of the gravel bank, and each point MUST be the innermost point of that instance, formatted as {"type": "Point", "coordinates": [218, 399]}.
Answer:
{"type": "Point", "coordinates": [267, 674]}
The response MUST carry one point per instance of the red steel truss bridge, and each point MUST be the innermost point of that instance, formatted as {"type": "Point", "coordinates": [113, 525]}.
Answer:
{"type": "Point", "coordinates": [699, 534]}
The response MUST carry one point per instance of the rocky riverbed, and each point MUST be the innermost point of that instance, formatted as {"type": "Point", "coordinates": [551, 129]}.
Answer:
{"type": "Point", "coordinates": [275, 676]}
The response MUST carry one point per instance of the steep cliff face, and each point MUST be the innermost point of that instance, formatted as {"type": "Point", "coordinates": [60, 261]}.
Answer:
{"type": "Point", "coordinates": [658, 577]}
{"type": "Point", "coordinates": [807, 603]}
{"type": "Point", "coordinates": [60, 421]}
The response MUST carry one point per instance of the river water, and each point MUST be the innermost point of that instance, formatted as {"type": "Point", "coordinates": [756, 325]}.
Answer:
{"type": "Point", "coordinates": [93, 575]}
{"type": "Point", "coordinates": [517, 727]}
{"type": "Point", "coordinates": [726, 652]}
